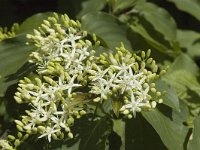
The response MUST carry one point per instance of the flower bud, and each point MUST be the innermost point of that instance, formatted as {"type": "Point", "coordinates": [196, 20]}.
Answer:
{"type": "Point", "coordinates": [10, 137]}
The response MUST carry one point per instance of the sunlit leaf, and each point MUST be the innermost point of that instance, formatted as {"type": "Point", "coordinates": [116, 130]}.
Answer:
{"type": "Point", "coordinates": [194, 142]}
{"type": "Point", "coordinates": [140, 135]}
{"type": "Point", "coordinates": [159, 18]}
{"type": "Point", "coordinates": [183, 74]}
{"type": "Point", "coordinates": [190, 6]}
{"type": "Point", "coordinates": [107, 27]}
{"type": "Point", "coordinates": [170, 97]}
{"type": "Point", "coordinates": [172, 134]}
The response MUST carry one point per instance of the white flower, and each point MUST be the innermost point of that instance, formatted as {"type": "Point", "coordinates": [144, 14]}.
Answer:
{"type": "Point", "coordinates": [134, 105]}
{"type": "Point", "coordinates": [68, 86]}
{"type": "Point", "coordinates": [48, 132]}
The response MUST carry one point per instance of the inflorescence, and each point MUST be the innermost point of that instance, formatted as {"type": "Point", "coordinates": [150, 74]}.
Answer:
{"type": "Point", "coordinates": [66, 64]}
{"type": "Point", "coordinates": [5, 34]}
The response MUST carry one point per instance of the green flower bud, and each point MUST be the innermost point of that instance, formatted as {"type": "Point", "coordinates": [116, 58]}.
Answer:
{"type": "Point", "coordinates": [143, 54]}
{"type": "Point", "coordinates": [153, 90]}
{"type": "Point", "coordinates": [130, 116]}
{"type": "Point", "coordinates": [41, 129]}
{"type": "Point", "coordinates": [19, 123]}
{"type": "Point", "coordinates": [153, 104]}
{"type": "Point", "coordinates": [143, 65]}
{"type": "Point", "coordinates": [70, 121]}
{"type": "Point", "coordinates": [10, 137]}
{"type": "Point", "coordinates": [62, 136]}
{"type": "Point", "coordinates": [19, 128]}
{"type": "Point", "coordinates": [160, 101]}
{"type": "Point", "coordinates": [148, 53]}
{"type": "Point", "coordinates": [70, 135]}
{"type": "Point", "coordinates": [158, 94]}
{"type": "Point", "coordinates": [17, 143]}
{"type": "Point", "coordinates": [97, 99]}
{"type": "Point", "coordinates": [47, 23]}
{"type": "Point", "coordinates": [82, 112]}
{"type": "Point", "coordinates": [126, 112]}
{"type": "Point", "coordinates": [18, 100]}
{"type": "Point", "coordinates": [19, 134]}
{"type": "Point", "coordinates": [25, 137]}
{"type": "Point", "coordinates": [54, 136]}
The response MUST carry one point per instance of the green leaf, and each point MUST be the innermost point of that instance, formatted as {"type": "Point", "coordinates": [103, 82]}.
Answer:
{"type": "Point", "coordinates": [107, 27]}
{"type": "Point", "coordinates": [183, 74]}
{"type": "Point", "coordinates": [192, 7]}
{"type": "Point", "coordinates": [189, 40]}
{"type": "Point", "coordinates": [13, 54]}
{"type": "Point", "coordinates": [171, 133]}
{"type": "Point", "coordinates": [120, 5]}
{"type": "Point", "coordinates": [119, 128]}
{"type": "Point", "coordinates": [90, 6]}
{"type": "Point", "coordinates": [170, 97]}
{"type": "Point", "coordinates": [95, 134]}
{"type": "Point", "coordinates": [159, 18]}
{"type": "Point", "coordinates": [140, 135]}
{"type": "Point", "coordinates": [33, 22]}
{"type": "Point", "coordinates": [138, 28]}
{"type": "Point", "coordinates": [194, 143]}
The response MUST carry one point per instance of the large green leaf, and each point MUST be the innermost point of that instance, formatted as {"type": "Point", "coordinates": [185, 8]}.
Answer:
{"type": "Point", "coordinates": [33, 22]}
{"type": "Point", "coordinates": [140, 135]}
{"type": "Point", "coordinates": [171, 133]}
{"type": "Point", "coordinates": [194, 143]}
{"type": "Point", "coordinates": [159, 18]}
{"type": "Point", "coordinates": [95, 134]}
{"type": "Point", "coordinates": [190, 6]}
{"type": "Point", "coordinates": [13, 54]}
{"type": "Point", "coordinates": [119, 129]}
{"type": "Point", "coordinates": [183, 74]}
{"type": "Point", "coordinates": [139, 29]}
{"type": "Point", "coordinates": [107, 27]}
{"type": "Point", "coordinates": [91, 6]}
{"type": "Point", "coordinates": [189, 40]}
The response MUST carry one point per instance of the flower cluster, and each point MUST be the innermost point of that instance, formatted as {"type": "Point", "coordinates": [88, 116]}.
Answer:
{"type": "Point", "coordinates": [127, 78]}
{"type": "Point", "coordinates": [70, 76]}
{"type": "Point", "coordinates": [62, 60]}
{"type": "Point", "coordinates": [5, 34]}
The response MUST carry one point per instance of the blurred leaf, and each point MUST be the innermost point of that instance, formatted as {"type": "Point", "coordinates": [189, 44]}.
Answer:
{"type": "Point", "coordinates": [194, 143]}
{"type": "Point", "coordinates": [33, 22]}
{"type": "Point", "coordinates": [190, 6]}
{"type": "Point", "coordinates": [107, 27]}
{"type": "Point", "coordinates": [170, 98]}
{"type": "Point", "coordinates": [189, 40]}
{"type": "Point", "coordinates": [90, 6]}
{"type": "Point", "coordinates": [159, 18]}
{"type": "Point", "coordinates": [119, 5]}
{"type": "Point", "coordinates": [13, 55]}
{"type": "Point", "coordinates": [172, 134]}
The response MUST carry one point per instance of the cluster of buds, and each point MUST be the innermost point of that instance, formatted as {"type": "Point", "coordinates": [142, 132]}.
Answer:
{"type": "Point", "coordinates": [126, 78]}
{"type": "Point", "coordinates": [67, 64]}
{"type": "Point", "coordinates": [5, 34]}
